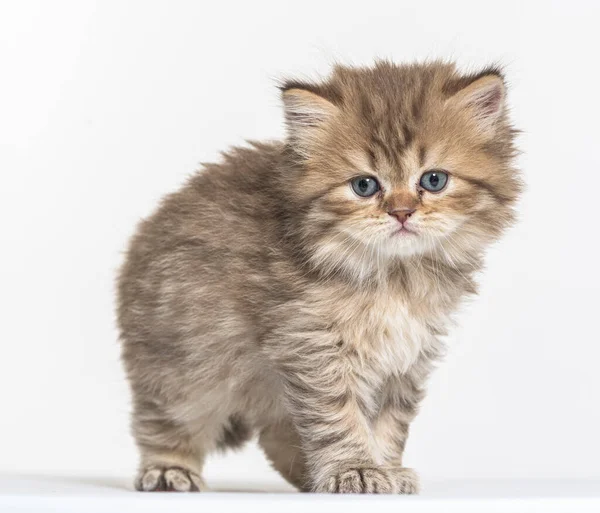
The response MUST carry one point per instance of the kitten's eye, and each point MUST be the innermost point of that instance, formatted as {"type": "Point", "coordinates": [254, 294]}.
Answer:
{"type": "Point", "coordinates": [434, 181]}
{"type": "Point", "coordinates": [365, 186]}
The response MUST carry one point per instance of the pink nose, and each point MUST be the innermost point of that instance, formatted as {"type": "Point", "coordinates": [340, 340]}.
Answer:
{"type": "Point", "coordinates": [402, 214]}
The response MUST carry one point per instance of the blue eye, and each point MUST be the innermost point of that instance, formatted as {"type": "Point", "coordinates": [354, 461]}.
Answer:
{"type": "Point", "coordinates": [365, 186]}
{"type": "Point", "coordinates": [434, 181]}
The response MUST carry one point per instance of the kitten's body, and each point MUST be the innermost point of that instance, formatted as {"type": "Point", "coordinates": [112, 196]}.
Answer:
{"type": "Point", "coordinates": [246, 307]}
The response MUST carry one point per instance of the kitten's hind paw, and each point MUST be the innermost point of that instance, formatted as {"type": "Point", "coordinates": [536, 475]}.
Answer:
{"type": "Point", "coordinates": [168, 479]}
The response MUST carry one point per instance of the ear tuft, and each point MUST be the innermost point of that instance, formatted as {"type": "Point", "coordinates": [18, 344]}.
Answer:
{"type": "Point", "coordinates": [306, 113]}
{"type": "Point", "coordinates": [305, 109]}
{"type": "Point", "coordinates": [483, 99]}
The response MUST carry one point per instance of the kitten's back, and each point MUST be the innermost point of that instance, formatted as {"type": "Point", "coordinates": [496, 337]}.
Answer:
{"type": "Point", "coordinates": [197, 268]}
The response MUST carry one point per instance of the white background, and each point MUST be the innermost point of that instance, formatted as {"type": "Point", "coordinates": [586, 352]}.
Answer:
{"type": "Point", "coordinates": [105, 106]}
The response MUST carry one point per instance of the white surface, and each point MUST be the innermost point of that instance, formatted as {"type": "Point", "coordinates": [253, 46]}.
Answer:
{"type": "Point", "coordinates": [107, 105]}
{"type": "Point", "coordinates": [86, 495]}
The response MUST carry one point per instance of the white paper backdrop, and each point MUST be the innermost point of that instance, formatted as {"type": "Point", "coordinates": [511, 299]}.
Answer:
{"type": "Point", "coordinates": [105, 106]}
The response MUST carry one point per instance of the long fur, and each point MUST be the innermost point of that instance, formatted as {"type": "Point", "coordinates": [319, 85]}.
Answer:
{"type": "Point", "coordinates": [265, 297]}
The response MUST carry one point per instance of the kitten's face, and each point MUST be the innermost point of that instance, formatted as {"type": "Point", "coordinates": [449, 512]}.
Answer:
{"type": "Point", "coordinates": [400, 162]}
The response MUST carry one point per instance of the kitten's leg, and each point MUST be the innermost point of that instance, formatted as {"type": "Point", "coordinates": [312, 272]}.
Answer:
{"type": "Point", "coordinates": [391, 432]}
{"type": "Point", "coordinates": [170, 458]}
{"type": "Point", "coordinates": [323, 396]}
{"type": "Point", "coordinates": [283, 448]}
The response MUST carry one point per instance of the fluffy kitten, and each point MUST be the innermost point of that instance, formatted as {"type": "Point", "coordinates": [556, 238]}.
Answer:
{"type": "Point", "coordinates": [298, 290]}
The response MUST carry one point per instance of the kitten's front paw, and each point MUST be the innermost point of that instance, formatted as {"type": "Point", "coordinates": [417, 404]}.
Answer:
{"type": "Point", "coordinates": [357, 480]}
{"type": "Point", "coordinates": [406, 481]}
{"type": "Point", "coordinates": [168, 479]}
{"type": "Point", "coordinates": [371, 480]}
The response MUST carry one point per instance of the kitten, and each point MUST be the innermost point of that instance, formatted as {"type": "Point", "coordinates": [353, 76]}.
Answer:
{"type": "Point", "coordinates": [298, 290]}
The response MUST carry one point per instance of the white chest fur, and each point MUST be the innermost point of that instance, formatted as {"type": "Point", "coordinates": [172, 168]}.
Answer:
{"type": "Point", "coordinates": [382, 334]}
{"type": "Point", "coordinates": [382, 338]}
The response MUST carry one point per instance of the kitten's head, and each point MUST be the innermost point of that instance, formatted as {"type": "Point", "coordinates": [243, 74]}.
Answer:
{"type": "Point", "coordinates": [393, 162]}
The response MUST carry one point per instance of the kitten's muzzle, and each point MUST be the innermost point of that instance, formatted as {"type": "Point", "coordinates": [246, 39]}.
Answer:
{"type": "Point", "coordinates": [402, 214]}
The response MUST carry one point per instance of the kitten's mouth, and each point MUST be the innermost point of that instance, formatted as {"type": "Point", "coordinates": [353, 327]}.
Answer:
{"type": "Point", "coordinates": [403, 231]}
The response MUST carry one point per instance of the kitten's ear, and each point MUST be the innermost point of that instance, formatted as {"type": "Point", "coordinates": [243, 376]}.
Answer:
{"type": "Point", "coordinates": [484, 100]}
{"type": "Point", "coordinates": [306, 114]}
